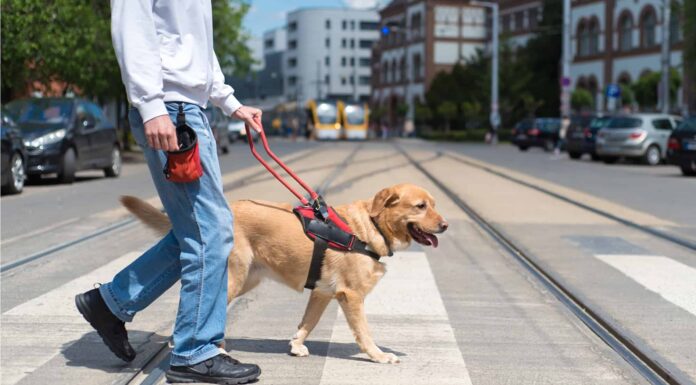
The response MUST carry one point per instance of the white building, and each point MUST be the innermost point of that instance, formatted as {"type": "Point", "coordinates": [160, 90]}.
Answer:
{"type": "Point", "coordinates": [328, 53]}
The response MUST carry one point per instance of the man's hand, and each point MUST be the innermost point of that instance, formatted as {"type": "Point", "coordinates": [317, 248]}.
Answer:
{"type": "Point", "coordinates": [161, 133]}
{"type": "Point", "coordinates": [250, 116]}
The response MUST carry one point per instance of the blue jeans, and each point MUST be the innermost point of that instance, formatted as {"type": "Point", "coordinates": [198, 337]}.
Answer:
{"type": "Point", "coordinates": [195, 250]}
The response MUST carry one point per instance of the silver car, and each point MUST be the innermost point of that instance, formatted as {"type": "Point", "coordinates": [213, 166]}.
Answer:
{"type": "Point", "coordinates": [639, 136]}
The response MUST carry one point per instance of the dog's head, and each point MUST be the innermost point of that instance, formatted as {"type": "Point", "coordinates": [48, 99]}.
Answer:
{"type": "Point", "coordinates": [409, 213]}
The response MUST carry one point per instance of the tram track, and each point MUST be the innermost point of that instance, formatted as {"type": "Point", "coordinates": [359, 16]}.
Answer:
{"type": "Point", "coordinates": [126, 223]}
{"type": "Point", "coordinates": [648, 367]}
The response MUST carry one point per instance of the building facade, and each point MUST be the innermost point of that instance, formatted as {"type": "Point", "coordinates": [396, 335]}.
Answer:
{"type": "Point", "coordinates": [421, 38]}
{"type": "Point", "coordinates": [518, 20]}
{"type": "Point", "coordinates": [618, 41]}
{"type": "Point", "coordinates": [328, 53]}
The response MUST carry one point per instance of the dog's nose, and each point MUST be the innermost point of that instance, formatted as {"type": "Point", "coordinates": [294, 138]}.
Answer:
{"type": "Point", "coordinates": [443, 226]}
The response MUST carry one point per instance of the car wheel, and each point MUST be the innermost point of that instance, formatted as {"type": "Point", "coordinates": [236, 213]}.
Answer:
{"type": "Point", "coordinates": [549, 145]}
{"type": "Point", "coordinates": [523, 148]}
{"type": "Point", "coordinates": [114, 170]}
{"type": "Point", "coordinates": [688, 169]}
{"type": "Point", "coordinates": [652, 156]}
{"type": "Point", "coordinates": [575, 155]}
{"type": "Point", "coordinates": [17, 175]}
{"type": "Point", "coordinates": [610, 159]}
{"type": "Point", "coordinates": [67, 169]}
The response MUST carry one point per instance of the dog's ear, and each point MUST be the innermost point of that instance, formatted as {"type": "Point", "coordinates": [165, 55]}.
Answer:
{"type": "Point", "coordinates": [385, 198]}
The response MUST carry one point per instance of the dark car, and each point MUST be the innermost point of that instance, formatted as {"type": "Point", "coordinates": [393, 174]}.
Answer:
{"type": "Point", "coordinates": [13, 156]}
{"type": "Point", "coordinates": [218, 124]}
{"type": "Point", "coordinates": [582, 135]}
{"type": "Point", "coordinates": [681, 147]}
{"type": "Point", "coordinates": [66, 135]}
{"type": "Point", "coordinates": [536, 132]}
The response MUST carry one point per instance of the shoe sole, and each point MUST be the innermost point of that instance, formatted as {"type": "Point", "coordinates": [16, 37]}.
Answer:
{"type": "Point", "coordinates": [173, 377]}
{"type": "Point", "coordinates": [83, 308]}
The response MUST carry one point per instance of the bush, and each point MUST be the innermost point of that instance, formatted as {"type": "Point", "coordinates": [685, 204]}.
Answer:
{"type": "Point", "coordinates": [581, 99]}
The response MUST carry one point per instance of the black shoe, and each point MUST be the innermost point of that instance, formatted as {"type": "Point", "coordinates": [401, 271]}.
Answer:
{"type": "Point", "coordinates": [221, 369]}
{"type": "Point", "coordinates": [111, 329]}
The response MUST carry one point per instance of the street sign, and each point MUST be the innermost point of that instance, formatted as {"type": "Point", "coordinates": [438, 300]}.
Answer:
{"type": "Point", "coordinates": [565, 82]}
{"type": "Point", "coordinates": [495, 119]}
{"type": "Point", "coordinates": [613, 91]}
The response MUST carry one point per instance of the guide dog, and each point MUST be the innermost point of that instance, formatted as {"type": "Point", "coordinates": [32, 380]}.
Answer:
{"type": "Point", "coordinates": [269, 241]}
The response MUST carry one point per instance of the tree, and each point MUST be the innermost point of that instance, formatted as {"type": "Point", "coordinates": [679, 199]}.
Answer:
{"type": "Point", "coordinates": [448, 111]}
{"type": "Point", "coordinates": [645, 89]}
{"type": "Point", "coordinates": [581, 99]}
{"type": "Point", "coordinates": [229, 37]}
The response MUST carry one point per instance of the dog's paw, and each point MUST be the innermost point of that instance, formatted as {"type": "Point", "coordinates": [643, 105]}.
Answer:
{"type": "Point", "coordinates": [386, 358]}
{"type": "Point", "coordinates": [298, 350]}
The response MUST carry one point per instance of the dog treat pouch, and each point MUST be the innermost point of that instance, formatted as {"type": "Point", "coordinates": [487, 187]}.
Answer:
{"type": "Point", "coordinates": [184, 165]}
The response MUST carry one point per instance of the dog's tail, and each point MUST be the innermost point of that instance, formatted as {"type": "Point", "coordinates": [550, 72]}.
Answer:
{"type": "Point", "coordinates": [147, 213]}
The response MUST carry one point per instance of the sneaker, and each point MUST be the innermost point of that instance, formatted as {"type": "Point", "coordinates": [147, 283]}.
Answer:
{"type": "Point", "coordinates": [111, 329]}
{"type": "Point", "coordinates": [221, 369]}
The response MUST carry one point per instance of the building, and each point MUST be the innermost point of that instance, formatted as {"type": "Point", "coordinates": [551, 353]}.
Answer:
{"type": "Point", "coordinates": [618, 41]}
{"type": "Point", "coordinates": [519, 19]}
{"type": "Point", "coordinates": [422, 38]}
{"type": "Point", "coordinates": [328, 53]}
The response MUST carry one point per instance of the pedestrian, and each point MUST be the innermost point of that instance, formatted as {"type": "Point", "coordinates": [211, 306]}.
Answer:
{"type": "Point", "coordinates": [165, 52]}
{"type": "Point", "coordinates": [565, 123]}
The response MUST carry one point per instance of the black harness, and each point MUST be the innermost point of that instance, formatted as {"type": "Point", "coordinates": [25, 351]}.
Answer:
{"type": "Point", "coordinates": [328, 230]}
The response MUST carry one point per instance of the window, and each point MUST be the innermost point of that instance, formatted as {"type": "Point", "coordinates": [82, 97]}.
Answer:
{"type": "Point", "coordinates": [352, 43]}
{"type": "Point", "coordinates": [292, 80]}
{"type": "Point", "coordinates": [519, 21]}
{"type": "Point", "coordinates": [292, 44]}
{"type": "Point", "coordinates": [292, 26]}
{"type": "Point", "coordinates": [344, 43]}
{"type": "Point", "coordinates": [506, 23]}
{"type": "Point", "coordinates": [327, 61]}
{"type": "Point", "coordinates": [364, 80]}
{"type": "Point", "coordinates": [583, 39]}
{"type": "Point", "coordinates": [369, 25]}
{"type": "Point", "coordinates": [366, 44]}
{"type": "Point", "coordinates": [416, 24]}
{"type": "Point", "coordinates": [344, 25]}
{"type": "Point", "coordinates": [343, 80]}
{"type": "Point", "coordinates": [626, 32]}
{"type": "Point", "coordinates": [648, 26]}
{"type": "Point", "coordinates": [326, 79]}
{"type": "Point", "coordinates": [662, 124]}
{"type": "Point", "coordinates": [352, 80]}
{"type": "Point", "coordinates": [327, 42]}
{"type": "Point", "coordinates": [533, 18]}
{"type": "Point", "coordinates": [343, 61]}
{"type": "Point", "coordinates": [292, 62]}
{"type": "Point", "coordinates": [385, 72]}
{"type": "Point", "coordinates": [352, 24]}
{"type": "Point", "coordinates": [416, 66]}
{"type": "Point", "coordinates": [268, 44]}
{"type": "Point", "coordinates": [675, 32]}
{"type": "Point", "coordinates": [594, 37]}
{"type": "Point", "coordinates": [352, 62]}
{"type": "Point", "coordinates": [402, 69]}
{"type": "Point", "coordinates": [327, 24]}
{"type": "Point", "coordinates": [365, 62]}
{"type": "Point", "coordinates": [393, 72]}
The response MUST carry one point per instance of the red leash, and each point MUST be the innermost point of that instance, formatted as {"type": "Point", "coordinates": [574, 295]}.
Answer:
{"type": "Point", "coordinates": [312, 194]}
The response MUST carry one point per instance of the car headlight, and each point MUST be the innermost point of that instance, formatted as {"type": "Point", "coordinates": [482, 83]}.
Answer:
{"type": "Point", "coordinates": [50, 138]}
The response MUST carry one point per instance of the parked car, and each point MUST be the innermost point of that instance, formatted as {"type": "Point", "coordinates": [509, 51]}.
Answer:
{"type": "Point", "coordinates": [639, 136]}
{"type": "Point", "coordinates": [218, 124]}
{"type": "Point", "coordinates": [236, 131]}
{"type": "Point", "coordinates": [681, 147]}
{"type": "Point", "coordinates": [66, 135]}
{"type": "Point", "coordinates": [536, 132]}
{"type": "Point", "coordinates": [13, 155]}
{"type": "Point", "coordinates": [581, 135]}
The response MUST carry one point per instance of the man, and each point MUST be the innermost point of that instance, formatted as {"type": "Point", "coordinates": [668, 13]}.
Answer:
{"type": "Point", "coordinates": [165, 51]}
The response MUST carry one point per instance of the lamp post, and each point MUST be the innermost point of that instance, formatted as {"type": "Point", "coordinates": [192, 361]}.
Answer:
{"type": "Point", "coordinates": [664, 83]}
{"type": "Point", "coordinates": [495, 114]}
{"type": "Point", "coordinates": [565, 59]}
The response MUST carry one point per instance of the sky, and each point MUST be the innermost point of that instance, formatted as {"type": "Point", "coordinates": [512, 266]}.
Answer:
{"type": "Point", "coordinates": [268, 14]}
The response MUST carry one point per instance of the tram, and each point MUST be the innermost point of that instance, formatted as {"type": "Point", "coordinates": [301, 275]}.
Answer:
{"type": "Point", "coordinates": [324, 119]}
{"type": "Point", "coordinates": [356, 119]}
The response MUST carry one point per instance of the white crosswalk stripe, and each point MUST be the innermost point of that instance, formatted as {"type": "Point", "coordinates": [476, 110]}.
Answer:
{"type": "Point", "coordinates": [407, 316]}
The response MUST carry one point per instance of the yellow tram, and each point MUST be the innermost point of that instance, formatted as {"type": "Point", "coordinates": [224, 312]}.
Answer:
{"type": "Point", "coordinates": [356, 119]}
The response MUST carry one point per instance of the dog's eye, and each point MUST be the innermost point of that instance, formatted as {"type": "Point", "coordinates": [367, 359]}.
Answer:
{"type": "Point", "coordinates": [421, 206]}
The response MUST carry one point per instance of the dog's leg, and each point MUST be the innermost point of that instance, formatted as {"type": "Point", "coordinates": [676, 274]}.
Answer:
{"type": "Point", "coordinates": [352, 304]}
{"type": "Point", "coordinates": [315, 308]}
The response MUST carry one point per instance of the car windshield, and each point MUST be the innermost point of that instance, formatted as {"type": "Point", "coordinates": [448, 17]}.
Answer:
{"type": "Point", "coordinates": [40, 111]}
{"type": "Point", "coordinates": [326, 113]}
{"type": "Point", "coordinates": [548, 124]}
{"type": "Point", "coordinates": [624, 122]}
{"type": "Point", "coordinates": [688, 125]}
{"type": "Point", "coordinates": [355, 114]}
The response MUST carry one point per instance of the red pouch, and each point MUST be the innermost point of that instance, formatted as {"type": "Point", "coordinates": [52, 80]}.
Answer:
{"type": "Point", "coordinates": [184, 165]}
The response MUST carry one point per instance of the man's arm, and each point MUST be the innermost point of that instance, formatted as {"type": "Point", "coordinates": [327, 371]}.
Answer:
{"type": "Point", "coordinates": [137, 50]}
{"type": "Point", "coordinates": [222, 95]}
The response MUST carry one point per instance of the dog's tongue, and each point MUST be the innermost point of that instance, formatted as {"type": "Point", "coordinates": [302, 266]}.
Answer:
{"type": "Point", "coordinates": [432, 238]}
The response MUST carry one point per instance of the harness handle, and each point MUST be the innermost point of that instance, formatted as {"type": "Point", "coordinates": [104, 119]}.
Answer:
{"type": "Point", "coordinates": [313, 195]}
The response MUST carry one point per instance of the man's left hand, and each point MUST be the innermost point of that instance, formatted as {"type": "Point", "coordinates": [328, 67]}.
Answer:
{"type": "Point", "coordinates": [250, 116]}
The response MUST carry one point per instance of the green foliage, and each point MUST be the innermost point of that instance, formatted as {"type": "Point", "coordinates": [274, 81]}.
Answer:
{"type": "Point", "coordinates": [401, 110]}
{"type": "Point", "coordinates": [422, 113]}
{"type": "Point", "coordinates": [645, 88]}
{"type": "Point", "coordinates": [70, 41]}
{"type": "Point", "coordinates": [447, 110]}
{"type": "Point", "coordinates": [581, 99]}
{"type": "Point", "coordinates": [627, 95]}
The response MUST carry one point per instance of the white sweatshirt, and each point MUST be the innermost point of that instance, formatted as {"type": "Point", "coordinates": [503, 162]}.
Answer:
{"type": "Point", "coordinates": [165, 51]}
